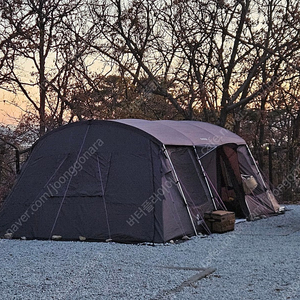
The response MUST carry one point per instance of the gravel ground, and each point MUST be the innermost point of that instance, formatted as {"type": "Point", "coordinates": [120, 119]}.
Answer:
{"type": "Point", "coordinates": [258, 260]}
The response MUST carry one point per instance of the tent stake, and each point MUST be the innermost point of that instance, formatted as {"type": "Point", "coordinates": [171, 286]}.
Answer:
{"type": "Point", "coordinates": [205, 178]}
{"type": "Point", "coordinates": [179, 187]}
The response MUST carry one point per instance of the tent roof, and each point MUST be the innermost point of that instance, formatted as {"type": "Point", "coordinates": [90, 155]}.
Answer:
{"type": "Point", "coordinates": [185, 133]}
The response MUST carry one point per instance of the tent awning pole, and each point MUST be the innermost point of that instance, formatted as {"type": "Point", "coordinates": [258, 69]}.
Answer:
{"type": "Point", "coordinates": [205, 178]}
{"type": "Point", "coordinates": [258, 171]}
{"type": "Point", "coordinates": [212, 149]}
{"type": "Point", "coordinates": [179, 187]}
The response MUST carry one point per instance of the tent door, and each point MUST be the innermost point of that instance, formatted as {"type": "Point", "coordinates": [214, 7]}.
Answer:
{"type": "Point", "coordinates": [179, 187]}
{"type": "Point", "coordinates": [230, 181]}
{"type": "Point", "coordinates": [194, 189]}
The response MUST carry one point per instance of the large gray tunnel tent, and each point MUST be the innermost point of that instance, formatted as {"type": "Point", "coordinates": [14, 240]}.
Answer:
{"type": "Point", "coordinates": [132, 181]}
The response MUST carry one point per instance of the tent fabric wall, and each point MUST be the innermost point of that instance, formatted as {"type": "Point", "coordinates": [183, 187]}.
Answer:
{"type": "Point", "coordinates": [261, 201]}
{"type": "Point", "coordinates": [89, 205]}
{"type": "Point", "coordinates": [229, 158]}
{"type": "Point", "coordinates": [177, 222]}
{"type": "Point", "coordinates": [192, 182]}
{"type": "Point", "coordinates": [126, 181]}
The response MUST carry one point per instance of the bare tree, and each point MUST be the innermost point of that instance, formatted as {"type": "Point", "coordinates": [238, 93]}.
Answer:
{"type": "Point", "coordinates": [37, 33]}
{"type": "Point", "coordinates": [209, 59]}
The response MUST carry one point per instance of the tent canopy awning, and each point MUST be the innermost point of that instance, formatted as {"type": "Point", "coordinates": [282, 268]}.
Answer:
{"type": "Point", "coordinates": [185, 133]}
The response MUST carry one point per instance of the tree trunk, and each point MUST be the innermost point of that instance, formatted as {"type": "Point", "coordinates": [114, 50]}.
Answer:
{"type": "Point", "coordinates": [223, 117]}
{"type": "Point", "coordinates": [42, 78]}
{"type": "Point", "coordinates": [261, 138]}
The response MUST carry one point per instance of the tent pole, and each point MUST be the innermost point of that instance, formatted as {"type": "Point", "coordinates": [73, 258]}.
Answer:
{"type": "Point", "coordinates": [257, 168]}
{"type": "Point", "coordinates": [212, 149]}
{"type": "Point", "coordinates": [179, 187]}
{"type": "Point", "coordinates": [268, 196]}
{"type": "Point", "coordinates": [205, 178]}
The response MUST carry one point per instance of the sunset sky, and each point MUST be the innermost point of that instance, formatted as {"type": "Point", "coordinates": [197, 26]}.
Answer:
{"type": "Point", "coordinates": [8, 112]}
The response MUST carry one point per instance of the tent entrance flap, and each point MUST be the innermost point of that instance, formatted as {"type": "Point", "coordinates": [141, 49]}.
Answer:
{"type": "Point", "coordinates": [205, 178]}
{"type": "Point", "coordinates": [261, 200]}
{"type": "Point", "coordinates": [179, 187]}
{"type": "Point", "coordinates": [192, 183]}
{"type": "Point", "coordinates": [230, 181]}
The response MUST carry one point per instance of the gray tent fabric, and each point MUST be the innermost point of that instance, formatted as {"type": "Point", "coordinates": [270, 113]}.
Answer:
{"type": "Point", "coordinates": [186, 133]}
{"type": "Point", "coordinates": [131, 181]}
